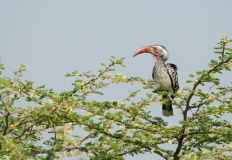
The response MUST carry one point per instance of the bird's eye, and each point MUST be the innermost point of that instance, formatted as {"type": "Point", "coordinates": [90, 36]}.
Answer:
{"type": "Point", "coordinates": [156, 50]}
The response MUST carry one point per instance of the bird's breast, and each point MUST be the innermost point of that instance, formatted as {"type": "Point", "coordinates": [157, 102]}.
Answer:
{"type": "Point", "coordinates": [162, 80]}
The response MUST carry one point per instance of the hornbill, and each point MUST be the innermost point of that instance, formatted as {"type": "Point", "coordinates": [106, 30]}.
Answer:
{"type": "Point", "coordinates": [164, 75]}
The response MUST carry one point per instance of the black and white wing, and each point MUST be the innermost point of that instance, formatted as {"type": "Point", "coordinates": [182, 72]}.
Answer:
{"type": "Point", "coordinates": [172, 71]}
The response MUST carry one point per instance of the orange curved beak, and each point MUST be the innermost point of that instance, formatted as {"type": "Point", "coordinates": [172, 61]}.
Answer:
{"type": "Point", "coordinates": [142, 50]}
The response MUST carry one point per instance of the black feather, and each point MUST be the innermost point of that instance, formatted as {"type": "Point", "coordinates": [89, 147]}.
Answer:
{"type": "Point", "coordinates": [172, 72]}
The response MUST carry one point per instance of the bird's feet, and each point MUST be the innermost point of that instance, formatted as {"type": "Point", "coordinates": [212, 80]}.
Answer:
{"type": "Point", "coordinates": [155, 91]}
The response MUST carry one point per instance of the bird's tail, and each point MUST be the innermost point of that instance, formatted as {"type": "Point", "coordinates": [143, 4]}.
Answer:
{"type": "Point", "coordinates": [167, 106]}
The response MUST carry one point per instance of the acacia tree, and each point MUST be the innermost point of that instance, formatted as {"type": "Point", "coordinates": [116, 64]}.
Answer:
{"type": "Point", "coordinates": [113, 129]}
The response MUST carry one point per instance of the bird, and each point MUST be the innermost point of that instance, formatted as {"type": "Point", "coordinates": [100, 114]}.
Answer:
{"type": "Point", "coordinates": [164, 75]}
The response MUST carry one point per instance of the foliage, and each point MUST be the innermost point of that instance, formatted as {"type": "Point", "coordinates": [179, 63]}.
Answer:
{"type": "Point", "coordinates": [114, 129]}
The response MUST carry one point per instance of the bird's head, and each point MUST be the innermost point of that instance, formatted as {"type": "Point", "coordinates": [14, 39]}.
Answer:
{"type": "Point", "coordinates": [158, 52]}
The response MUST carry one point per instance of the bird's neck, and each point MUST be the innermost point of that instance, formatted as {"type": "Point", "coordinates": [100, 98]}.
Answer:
{"type": "Point", "coordinates": [156, 57]}
{"type": "Point", "coordinates": [159, 63]}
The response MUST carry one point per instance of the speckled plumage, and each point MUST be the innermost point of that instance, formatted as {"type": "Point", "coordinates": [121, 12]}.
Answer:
{"type": "Point", "coordinates": [165, 79]}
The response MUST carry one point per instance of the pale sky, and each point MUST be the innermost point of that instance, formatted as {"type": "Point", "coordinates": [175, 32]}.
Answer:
{"type": "Point", "coordinates": [55, 37]}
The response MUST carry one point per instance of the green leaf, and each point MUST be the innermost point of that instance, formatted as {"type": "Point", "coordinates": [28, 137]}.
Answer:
{"type": "Point", "coordinates": [221, 88]}
{"type": "Point", "coordinates": [102, 64]}
{"type": "Point", "coordinates": [149, 95]}
{"type": "Point", "coordinates": [29, 99]}
{"type": "Point", "coordinates": [199, 72]}
{"type": "Point", "coordinates": [97, 92]}
{"type": "Point", "coordinates": [113, 57]}
{"type": "Point", "coordinates": [189, 81]}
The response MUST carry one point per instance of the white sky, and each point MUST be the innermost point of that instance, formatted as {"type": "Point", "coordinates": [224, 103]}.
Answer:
{"type": "Point", "coordinates": [55, 37]}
